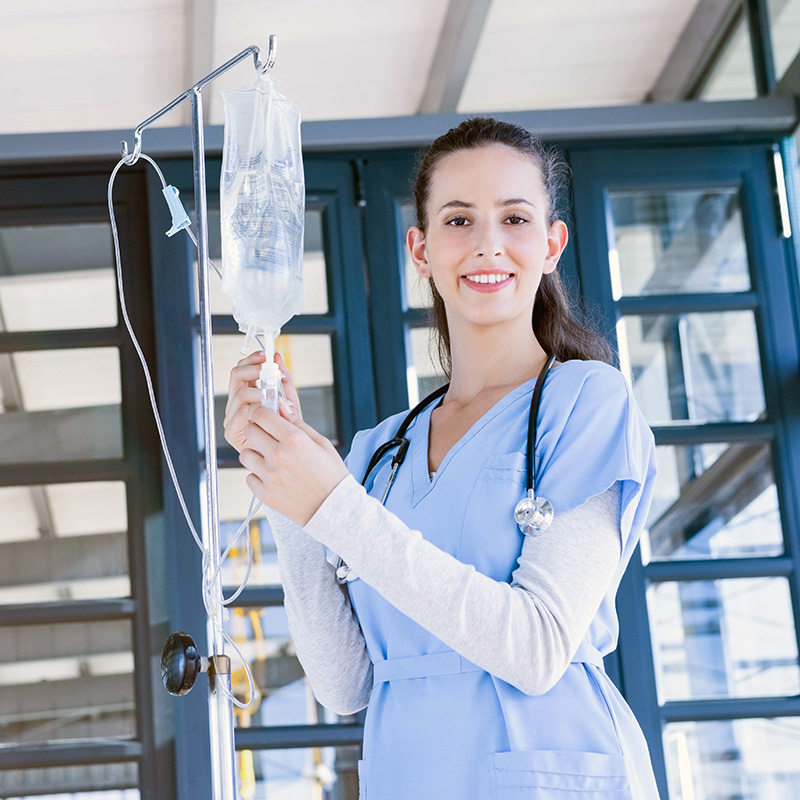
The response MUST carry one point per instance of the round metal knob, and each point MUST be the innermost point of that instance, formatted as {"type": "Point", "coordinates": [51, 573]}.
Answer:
{"type": "Point", "coordinates": [180, 663]}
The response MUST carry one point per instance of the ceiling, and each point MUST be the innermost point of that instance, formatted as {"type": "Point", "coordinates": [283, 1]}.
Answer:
{"type": "Point", "coordinates": [97, 65]}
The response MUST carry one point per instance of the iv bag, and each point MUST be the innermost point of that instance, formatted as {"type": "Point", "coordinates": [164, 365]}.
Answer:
{"type": "Point", "coordinates": [262, 207]}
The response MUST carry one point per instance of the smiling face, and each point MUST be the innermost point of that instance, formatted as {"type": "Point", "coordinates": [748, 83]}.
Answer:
{"type": "Point", "coordinates": [488, 239]}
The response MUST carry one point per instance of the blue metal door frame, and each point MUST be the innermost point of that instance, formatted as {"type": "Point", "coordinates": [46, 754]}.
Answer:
{"type": "Point", "coordinates": [773, 295]}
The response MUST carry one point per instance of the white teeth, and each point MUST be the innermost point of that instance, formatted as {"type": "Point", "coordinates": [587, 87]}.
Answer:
{"type": "Point", "coordinates": [490, 278]}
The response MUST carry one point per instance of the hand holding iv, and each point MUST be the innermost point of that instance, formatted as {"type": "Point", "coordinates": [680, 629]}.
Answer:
{"type": "Point", "coordinates": [292, 468]}
{"type": "Point", "coordinates": [244, 392]}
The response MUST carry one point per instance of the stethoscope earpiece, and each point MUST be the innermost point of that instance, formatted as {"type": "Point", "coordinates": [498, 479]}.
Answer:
{"type": "Point", "coordinates": [533, 514]}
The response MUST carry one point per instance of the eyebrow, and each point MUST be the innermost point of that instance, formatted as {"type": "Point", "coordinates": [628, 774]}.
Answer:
{"type": "Point", "coordinates": [512, 201]}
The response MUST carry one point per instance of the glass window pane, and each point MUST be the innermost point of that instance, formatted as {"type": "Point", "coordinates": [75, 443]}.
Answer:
{"type": "Point", "coordinates": [724, 638]}
{"type": "Point", "coordinates": [60, 405]}
{"type": "Point", "coordinates": [234, 502]}
{"type": "Point", "coordinates": [262, 635]}
{"type": "Point", "coordinates": [310, 359]}
{"type": "Point", "coordinates": [784, 18]}
{"type": "Point", "coordinates": [694, 367]}
{"type": "Point", "coordinates": [66, 681]}
{"type": "Point", "coordinates": [714, 501]}
{"type": "Point", "coordinates": [79, 782]}
{"type": "Point", "coordinates": [64, 541]}
{"type": "Point", "coordinates": [315, 277]}
{"type": "Point", "coordinates": [740, 759]}
{"type": "Point", "coordinates": [315, 280]}
{"type": "Point", "coordinates": [301, 774]}
{"type": "Point", "coordinates": [669, 242]}
{"type": "Point", "coordinates": [732, 77]}
{"type": "Point", "coordinates": [57, 277]}
{"type": "Point", "coordinates": [415, 289]}
{"type": "Point", "coordinates": [424, 373]}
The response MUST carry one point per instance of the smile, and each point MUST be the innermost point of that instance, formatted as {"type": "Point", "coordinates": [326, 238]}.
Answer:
{"type": "Point", "coordinates": [488, 282]}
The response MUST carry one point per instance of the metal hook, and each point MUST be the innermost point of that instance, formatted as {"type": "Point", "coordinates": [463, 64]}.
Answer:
{"type": "Point", "coordinates": [271, 56]}
{"type": "Point", "coordinates": [263, 68]}
{"type": "Point", "coordinates": [131, 158]}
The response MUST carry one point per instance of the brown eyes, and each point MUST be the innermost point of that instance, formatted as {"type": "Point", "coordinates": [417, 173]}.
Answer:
{"type": "Point", "coordinates": [460, 222]}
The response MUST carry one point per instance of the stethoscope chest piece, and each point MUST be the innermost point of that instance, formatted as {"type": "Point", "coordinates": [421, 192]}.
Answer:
{"type": "Point", "coordinates": [533, 514]}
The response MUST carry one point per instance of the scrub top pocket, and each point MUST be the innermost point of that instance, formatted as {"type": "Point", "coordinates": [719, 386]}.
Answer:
{"type": "Point", "coordinates": [558, 775]}
{"type": "Point", "coordinates": [490, 538]}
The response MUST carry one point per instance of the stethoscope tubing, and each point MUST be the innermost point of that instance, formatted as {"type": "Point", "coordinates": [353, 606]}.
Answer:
{"type": "Point", "coordinates": [400, 441]}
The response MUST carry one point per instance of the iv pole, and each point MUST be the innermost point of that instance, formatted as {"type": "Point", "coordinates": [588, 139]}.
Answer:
{"type": "Point", "coordinates": [220, 707]}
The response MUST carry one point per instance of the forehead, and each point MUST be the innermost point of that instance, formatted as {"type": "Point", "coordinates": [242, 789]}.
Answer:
{"type": "Point", "coordinates": [499, 169]}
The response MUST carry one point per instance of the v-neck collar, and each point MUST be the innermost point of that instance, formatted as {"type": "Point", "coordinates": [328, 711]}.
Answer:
{"type": "Point", "coordinates": [422, 483]}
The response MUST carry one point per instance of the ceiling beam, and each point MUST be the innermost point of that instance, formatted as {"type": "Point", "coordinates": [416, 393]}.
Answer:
{"type": "Point", "coordinates": [725, 489]}
{"type": "Point", "coordinates": [739, 119]}
{"type": "Point", "coordinates": [458, 41]}
{"type": "Point", "coordinates": [696, 51]}
{"type": "Point", "coordinates": [200, 15]}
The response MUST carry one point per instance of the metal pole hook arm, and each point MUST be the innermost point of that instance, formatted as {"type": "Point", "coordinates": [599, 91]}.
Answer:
{"type": "Point", "coordinates": [261, 67]}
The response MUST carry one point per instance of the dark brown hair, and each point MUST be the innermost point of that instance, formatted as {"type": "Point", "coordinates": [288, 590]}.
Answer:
{"type": "Point", "coordinates": [554, 319]}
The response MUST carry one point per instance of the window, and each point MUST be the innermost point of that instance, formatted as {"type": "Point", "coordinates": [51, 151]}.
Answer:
{"type": "Point", "coordinates": [74, 498]}
{"type": "Point", "coordinates": [694, 288]}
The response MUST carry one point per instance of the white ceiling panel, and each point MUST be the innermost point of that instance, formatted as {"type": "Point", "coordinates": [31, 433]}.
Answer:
{"type": "Point", "coordinates": [89, 64]}
{"type": "Point", "coordinates": [785, 21]}
{"type": "Point", "coordinates": [581, 53]}
{"type": "Point", "coordinates": [20, 522]}
{"type": "Point", "coordinates": [337, 60]}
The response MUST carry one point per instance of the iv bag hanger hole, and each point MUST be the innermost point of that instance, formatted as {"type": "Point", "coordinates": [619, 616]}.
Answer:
{"type": "Point", "coordinates": [181, 663]}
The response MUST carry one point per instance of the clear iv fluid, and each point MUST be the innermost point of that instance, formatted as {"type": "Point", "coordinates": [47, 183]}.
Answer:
{"type": "Point", "coordinates": [263, 240]}
{"type": "Point", "coordinates": [271, 396]}
{"type": "Point", "coordinates": [262, 207]}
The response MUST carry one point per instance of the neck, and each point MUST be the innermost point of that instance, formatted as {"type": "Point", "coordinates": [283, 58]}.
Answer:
{"type": "Point", "coordinates": [492, 357]}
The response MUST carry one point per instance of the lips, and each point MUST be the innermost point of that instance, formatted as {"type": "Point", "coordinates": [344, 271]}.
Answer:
{"type": "Point", "coordinates": [487, 281]}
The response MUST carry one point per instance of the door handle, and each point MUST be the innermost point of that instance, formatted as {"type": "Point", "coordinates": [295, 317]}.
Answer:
{"type": "Point", "coordinates": [783, 199]}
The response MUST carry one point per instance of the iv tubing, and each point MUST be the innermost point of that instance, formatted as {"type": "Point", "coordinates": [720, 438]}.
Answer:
{"type": "Point", "coordinates": [208, 577]}
{"type": "Point", "coordinates": [220, 687]}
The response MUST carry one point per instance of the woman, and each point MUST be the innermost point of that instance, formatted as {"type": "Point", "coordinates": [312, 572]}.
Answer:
{"type": "Point", "coordinates": [478, 650]}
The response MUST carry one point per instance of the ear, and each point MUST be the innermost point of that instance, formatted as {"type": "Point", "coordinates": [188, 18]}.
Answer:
{"type": "Point", "coordinates": [557, 238]}
{"type": "Point", "coordinates": [415, 239]}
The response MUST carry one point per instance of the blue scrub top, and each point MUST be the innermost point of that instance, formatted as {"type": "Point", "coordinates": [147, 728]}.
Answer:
{"type": "Point", "coordinates": [438, 726]}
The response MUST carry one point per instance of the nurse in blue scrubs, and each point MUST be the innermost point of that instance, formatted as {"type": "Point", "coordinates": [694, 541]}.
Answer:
{"type": "Point", "coordinates": [477, 650]}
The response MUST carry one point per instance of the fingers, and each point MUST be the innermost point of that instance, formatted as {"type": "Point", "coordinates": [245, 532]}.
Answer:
{"type": "Point", "coordinates": [244, 398]}
{"type": "Point", "coordinates": [271, 423]}
{"type": "Point", "coordinates": [237, 416]}
{"type": "Point", "coordinates": [289, 389]}
{"type": "Point", "coordinates": [242, 393]}
{"type": "Point", "coordinates": [246, 371]}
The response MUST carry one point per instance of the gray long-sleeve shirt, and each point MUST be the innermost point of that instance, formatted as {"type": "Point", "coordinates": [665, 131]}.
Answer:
{"type": "Point", "coordinates": [524, 632]}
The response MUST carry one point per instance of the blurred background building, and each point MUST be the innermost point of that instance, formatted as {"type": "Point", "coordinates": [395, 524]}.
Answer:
{"type": "Point", "coordinates": [678, 119]}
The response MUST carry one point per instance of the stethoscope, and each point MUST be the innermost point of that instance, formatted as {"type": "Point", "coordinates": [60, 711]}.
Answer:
{"type": "Point", "coordinates": [532, 514]}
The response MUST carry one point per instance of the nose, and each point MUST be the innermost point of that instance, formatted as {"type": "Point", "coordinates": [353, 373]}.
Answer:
{"type": "Point", "coordinates": [488, 241]}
